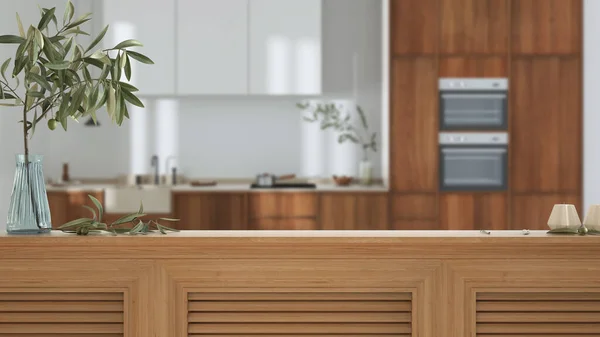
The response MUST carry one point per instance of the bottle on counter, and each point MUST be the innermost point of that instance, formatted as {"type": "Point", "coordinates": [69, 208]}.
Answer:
{"type": "Point", "coordinates": [65, 173]}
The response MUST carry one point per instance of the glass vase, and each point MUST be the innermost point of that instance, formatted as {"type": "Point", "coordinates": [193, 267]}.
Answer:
{"type": "Point", "coordinates": [29, 212]}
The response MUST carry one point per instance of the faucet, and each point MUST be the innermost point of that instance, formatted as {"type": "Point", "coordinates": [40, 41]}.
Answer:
{"type": "Point", "coordinates": [174, 174]}
{"type": "Point", "coordinates": [154, 163]}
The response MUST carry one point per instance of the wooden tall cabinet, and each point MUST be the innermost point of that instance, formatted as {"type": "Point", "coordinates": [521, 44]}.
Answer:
{"type": "Point", "coordinates": [537, 44]}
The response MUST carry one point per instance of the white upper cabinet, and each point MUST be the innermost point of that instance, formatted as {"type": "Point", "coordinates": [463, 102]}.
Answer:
{"type": "Point", "coordinates": [285, 47]}
{"type": "Point", "coordinates": [154, 26]}
{"type": "Point", "coordinates": [212, 47]}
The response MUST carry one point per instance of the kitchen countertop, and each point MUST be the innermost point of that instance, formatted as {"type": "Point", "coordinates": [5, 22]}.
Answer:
{"type": "Point", "coordinates": [226, 188]}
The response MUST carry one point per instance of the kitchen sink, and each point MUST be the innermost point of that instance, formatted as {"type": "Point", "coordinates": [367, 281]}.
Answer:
{"type": "Point", "coordinates": [126, 199]}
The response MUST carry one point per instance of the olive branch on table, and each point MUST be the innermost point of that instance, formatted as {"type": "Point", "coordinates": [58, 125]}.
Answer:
{"type": "Point", "coordinates": [84, 226]}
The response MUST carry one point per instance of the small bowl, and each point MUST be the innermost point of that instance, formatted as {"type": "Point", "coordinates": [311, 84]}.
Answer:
{"type": "Point", "coordinates": [342, 180]}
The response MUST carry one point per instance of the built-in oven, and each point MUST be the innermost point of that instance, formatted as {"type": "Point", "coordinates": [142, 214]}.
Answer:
{"type": "Point", "coordinates": [473, 161]}
{"type": "Point", "coordinates": [473, 103]}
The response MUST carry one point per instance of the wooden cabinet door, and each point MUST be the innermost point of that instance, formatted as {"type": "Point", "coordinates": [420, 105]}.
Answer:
{"type": "Point", "coordinates": [473, 66]}
{"type": "Point", "coordinates": [468, 211]}
{"type": "Point", "coordinates": [546, 26]}
{"type": "Point", "coordinates": [414, 26]}
{"type": "Point", "coordinates": [59, 208]}
{"type": "Point", "coordinates": [532, 211]}
{"type": "Point", "coordinates": [474, 26]}
{"type": "Point", "coordinates": [210, 211]}
{"type": "Point", "coordinates": [414, 125]}
{"type": "Point", "coordinates": [344, 211]}
{"type": "Point", "coordinates": [414, 211]}
{"type": "Point", "coordinates": [546, 117]}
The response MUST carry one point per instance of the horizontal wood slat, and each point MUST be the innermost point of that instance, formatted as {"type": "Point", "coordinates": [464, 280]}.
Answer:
{"type": "Point", "coordinates": [533, 314]}
{"type": "Point", "coordinates": [318, 335]}
{"type": "Point", "coordinates": [61, 314]}
{"type": "Point", "coordinates": [292, 313]}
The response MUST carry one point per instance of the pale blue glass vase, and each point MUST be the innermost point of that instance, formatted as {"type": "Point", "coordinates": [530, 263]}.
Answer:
{"type": "Point", "coordinates": [29, 212]}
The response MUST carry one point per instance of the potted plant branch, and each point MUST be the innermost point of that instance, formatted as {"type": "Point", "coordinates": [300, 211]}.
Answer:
{"type": "Point", "coordinates": [331, 117]}
{"type": "Point", "coordinates": [50, 78]}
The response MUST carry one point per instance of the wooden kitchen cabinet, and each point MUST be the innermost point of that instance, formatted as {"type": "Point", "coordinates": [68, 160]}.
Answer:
{"type": "Point", "coordinates": [68, 205]}
{"type": "Point", "coordinates": [473, 66]}
{"type": "Point", "coordinates": [210, 210]}
{"type": "Point", "coordinates": [284, 47]}
{"type": "Point", "coordinates": [212, 53]}
{"type": "Point", "coordinates": [474, 26]}
{"type": "Point", "coordinates": [469, 211]}
{"type": "Point", "coordinates": [414, 27]}
{"type": "Point", "coordinates": [282, 210]}
{"type": "Point", "coordinates": [546, 27]}
{"type": "Point", "coordinates": [349, 211]}
{"type": "Point", "coordinates": [533, 210]}
{"type": "Point", "coordinates": [154, 26]}
{"type": "Point", "coordinates": [546, 132]}
{"type": "Point", "coordinates": [414, 124]}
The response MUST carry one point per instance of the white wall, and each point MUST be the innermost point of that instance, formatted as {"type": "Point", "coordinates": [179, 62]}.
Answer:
{"type": "Point", "coordinates": [216, 136]}
{"type": "Point", "coordinates": [591, 103]}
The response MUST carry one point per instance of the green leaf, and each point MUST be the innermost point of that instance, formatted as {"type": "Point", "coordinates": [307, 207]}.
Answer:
{"type": "Point", "coordinates": [91, 210]}
{"type": "Point", "coordinates": [3, 68]}
{"type": "Point", "coordinates": [42, 81]}
{"type": "Point", "coordinates": [141, 210]}
{"type": "Point", "coordinates": [6, 95]}
{"type": "Point", "coordinates": [127, 68]}
{"type": "Point", "coordinates": [98, 206]}
{"type": "Point", "coordinates": [20, 24]}
{"type": "Point", "coordinates": [101, 56]}
{"type": "Point", "coordinates": [363, 118]}
{"type": "Point", "coordinates": [128, 218]}
{"type": "Point", "coordinates": [169, 219]}
{"type": "Point", "coordinates": [344, 137]}
{"type": "Point", "coordinates": [76, 222]}
{"type": "Point", "coordinates": [11, 39]}
{"type": "Point", "coordinates": [75, 31]}
{"type": "Point", "coordinates": [58, 65]}
{"type": "Point", "coordinates": [111, 102]}
{"type": "Point", "coordinates": [46, 19]}
{"type": "Point", "coordinates": [128, 43]}
{"type": "Point", "coordinates": [94, 62]}
{"type": "Point", "coordinates": [69, 11]}
{"type": "Point", "coordinates": [140, 57]}
{"type": "Point", "coordinates": [79, 21]}
{"type": "Point", "coordinates": [86, 75]}
{"type": "Point", "coordinates": [131, 98]}
{"type": "Point", "coordinates": [35, 116]}
{"type": "Point", "coordinates": [97, 39]}
{"type": "Point", "coordinates": [128, 87]}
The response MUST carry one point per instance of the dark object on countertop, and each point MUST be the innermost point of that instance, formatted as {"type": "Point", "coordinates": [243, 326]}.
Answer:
{"type": "Point", "coordinates": [203, 183]}
{"type": "Point", "coordinates": [267, 179]}
{"type": "Point", "coordinates": [65, 173]}
{"type": "Point", "coordinates": [174, 176]}
{"type": "Point", "coordinates": [287, 185]}
{"type": "Point", "coordinates": [154, 164]}
{"type": "Point", "coordinates": [138, 179]}
{"type": "Point", "coordinates": [342, 180]}
{"type": "Point", "coordinates": [90, 122]}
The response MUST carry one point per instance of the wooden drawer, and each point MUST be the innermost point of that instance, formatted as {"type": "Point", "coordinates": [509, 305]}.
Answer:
{"type": "Point", "coordinates": [284, 224]}
{"type": "Point", "coordinates": [282, 204]}
{"type": "Point", "coordinates": [414, 206]}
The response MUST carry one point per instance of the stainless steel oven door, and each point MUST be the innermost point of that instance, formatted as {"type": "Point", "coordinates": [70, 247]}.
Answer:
{"type": "Point", "coordinates": [473, 161]}
{"type": "Point", "coordinates": [473, 104]}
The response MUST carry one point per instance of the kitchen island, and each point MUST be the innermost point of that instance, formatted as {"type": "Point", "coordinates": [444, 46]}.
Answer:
{"type": "Point", "coordinates": [314, 283]}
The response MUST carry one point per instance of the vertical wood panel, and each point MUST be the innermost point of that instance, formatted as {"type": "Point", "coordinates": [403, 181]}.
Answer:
{"type": "Point", "coordinates": [532, 211]}
{"type": "Point", "coordinates": [468, 211]}
{"type": "Point", "coordinates": [414, 125]}
{"type": "Point", "coordinates": [465, 66]}
{"type": "Point", "coordinates": [474, 27]}
{"type": "Point", "coordinates": [546, 26]}
{"type": "Point", "coordinates": [546, 113]}
{"type": "Point", "coordinates": [414, 26]}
